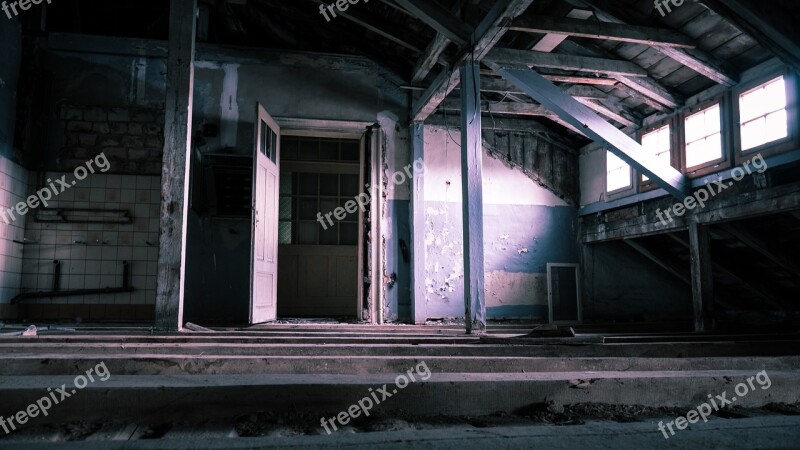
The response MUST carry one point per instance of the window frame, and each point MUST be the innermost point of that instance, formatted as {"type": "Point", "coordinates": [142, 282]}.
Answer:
{"type": "Point", "coordinates": [715, 165]}
{"type": "Point", "coordinates": [621, 192]}
{"type": "Point", "coordinates": [292, 163]}
{"type": "Point", "coordinates": [675, 160]}
{"type": "Point", "coordinates": [788, 143]}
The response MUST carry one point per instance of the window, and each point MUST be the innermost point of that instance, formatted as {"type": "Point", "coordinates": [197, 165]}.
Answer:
{"type": "Point", "coordinates": [318, 176]}
{"type": "Point", "coordinates": [763, 115]}
{"type": "Point", "coordinates": [703, 137]}
{"type": "Point", "coordinates": [658, 143]}
{"type": "Point", "coordinates": [320, 149]}
{"type": "Point", "coordinates": [618, 173]}
{"type": "Point", "coordinates": [304, 196]}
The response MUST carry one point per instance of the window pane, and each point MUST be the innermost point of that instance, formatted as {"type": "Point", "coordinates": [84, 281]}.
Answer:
{"type": "Point", "coordinates": [657, 143]}
{"type": "Point", "coordinates": [650, 142]}
{"type": "Point", "coordinates": [712, 119]}
{"type": "Point", "coordinates": [289, 148]}
{"type": "Point", "coordinates": [264, 139]}
{"type": "Point", "coordinates": [752, 133]}
{"type": "Point", "coordinates": [329, 150]}
{"type": "Point", "coordinates": [308, 184]}
{"type": "Point", "coordinates": [307, 233]}
{"type": "Point", "coordinates": [703, 137]}
{"type": "Point", "coordinates": [287, 207]}
{"type": "Point", "coordinates": [309, 149]}
{"type": "Point", "coordinates": [308, 209]}
{"type": "Point", "coordinates": [273, 139]}
{"type": "Point", "coordinates": [329, 236]}
{"type": "Point", "coordinates": [328, 205]}
{"type": "Point", "coordinates": [775, 95]}
{"type": "Point", "coordinates": [763, 115]}
{"type": "Point", "coordinates": [664, 144]}
{"type": "Point", "coordinates": [777, 126]}
{"type": "Point", "coordinates": [285, 233]}
{"type": "Point", "coordinates": [349, 185]}
{"type": "Point", "coordinates": [287, 183]}
{"type": "Point", "coordinates": [618, 175]}
{"type": "Point", "coordinates": [350, 151]}
{"type": "Point", "coordinates": [704, 150]}
{"type": "Point", "coordinates": [695, 127]}
{"type": "Point", "coordinates": [329, 185]}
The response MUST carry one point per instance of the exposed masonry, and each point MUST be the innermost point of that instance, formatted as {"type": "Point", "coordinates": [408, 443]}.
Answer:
{"type": "Point", "coordinates": [131, 138]}
{"type": "Point", "coordinates": [551, 166]}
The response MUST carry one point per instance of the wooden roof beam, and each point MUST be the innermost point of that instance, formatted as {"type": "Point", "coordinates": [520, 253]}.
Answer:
{"type": "Point", "coordinates": [593, 29]}
{"type": "Point", "coordinates": [486, 35]}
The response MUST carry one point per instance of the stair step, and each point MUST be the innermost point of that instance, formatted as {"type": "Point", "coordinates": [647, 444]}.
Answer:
{"type": "Point", "coordinates": [194, 397]}
{"type": "Point", "coordinates": [167, 364]}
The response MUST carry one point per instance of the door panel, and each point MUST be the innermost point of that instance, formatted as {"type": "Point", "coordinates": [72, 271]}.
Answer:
{"type": "Point", "coordinates": [325, 282]}
{"type": "Point", "coordinates": [264, 267]}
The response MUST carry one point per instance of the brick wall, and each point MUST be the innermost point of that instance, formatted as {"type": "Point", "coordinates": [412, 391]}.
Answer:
{"type": "Point", "coordinates": [131, 138]}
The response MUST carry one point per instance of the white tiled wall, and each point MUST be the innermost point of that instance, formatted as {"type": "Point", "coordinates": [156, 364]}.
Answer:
{"type": "Point", "coordinates": [91, 255]}
{"type": "Point", "coordinates": [13, 185]}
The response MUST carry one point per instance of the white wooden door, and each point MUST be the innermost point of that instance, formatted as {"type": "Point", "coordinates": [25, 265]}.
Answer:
{"type": "Point", "coordinates": [264, 259]}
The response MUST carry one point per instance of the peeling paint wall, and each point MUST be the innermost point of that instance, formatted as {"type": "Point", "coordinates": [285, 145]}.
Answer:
{"type": "Point", "coordinates": [526, 226]}
{"type": "Point", "coordinates": [593, 175]}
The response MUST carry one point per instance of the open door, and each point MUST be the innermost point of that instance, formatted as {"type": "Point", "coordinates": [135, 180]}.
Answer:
{"type": "Point", "coordinates": [264, 259]}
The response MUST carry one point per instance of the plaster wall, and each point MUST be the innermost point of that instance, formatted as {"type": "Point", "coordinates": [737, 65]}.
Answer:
{"type": "Point", "coordinates": [525, 227]}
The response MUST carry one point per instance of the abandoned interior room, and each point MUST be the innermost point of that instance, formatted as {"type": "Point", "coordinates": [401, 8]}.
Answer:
{"type": "Point", "coordinates": [399, 224]}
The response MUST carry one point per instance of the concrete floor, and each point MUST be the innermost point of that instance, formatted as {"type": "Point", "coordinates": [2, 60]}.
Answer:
{"type": "Point", "coordinates": [268, 386]}
{"type": "Point", "coordinates": [750, 433]}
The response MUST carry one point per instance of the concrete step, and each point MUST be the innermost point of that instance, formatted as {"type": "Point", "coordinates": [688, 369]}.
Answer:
{"type": "Point", "coordinates": [225, 345]}
{"type": "Point", "coordinates": [196, 397]}
{"type": "Point", "coordinates": [180, 364]}
{"type": "Point", "coordinates": [757, 432]}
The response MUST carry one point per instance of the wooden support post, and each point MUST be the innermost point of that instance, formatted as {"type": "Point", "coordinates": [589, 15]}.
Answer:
{"type": "Point", "coordinates": [702, 277]}
{"type": "Point", "coordinates": [418, 302]}
{"type": "Point", "coordinates": [175, 171]}
{"type": "Point", "coordinates": [472, 198]}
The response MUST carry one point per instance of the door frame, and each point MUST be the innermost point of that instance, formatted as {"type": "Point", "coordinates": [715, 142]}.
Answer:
{"type": "Point", "coordinates": [577, 293]}
{"type": "Point", "coordinates": [337, 130]}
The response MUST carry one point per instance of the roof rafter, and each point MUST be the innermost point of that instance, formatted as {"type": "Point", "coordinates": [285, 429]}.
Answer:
{"type": "Point", "coordinates": [381, 27]}
{"type": "Point", "coordinates": [486, 35]}
{"type": "Point", "coordinates": [439, 19]}
{"type": "Point", "coordinates": [610, 67]}
{"type": "Point", "coordinates": [593, 29]}
{"type": "Point", "coordinates": [696, 59]}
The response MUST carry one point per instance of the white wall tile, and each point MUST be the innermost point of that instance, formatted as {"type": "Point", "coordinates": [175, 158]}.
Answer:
{"type": "Point", "coordinates": [92, 265]}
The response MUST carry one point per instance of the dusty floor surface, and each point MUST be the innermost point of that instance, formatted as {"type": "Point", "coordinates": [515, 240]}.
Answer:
{"type": "Point", "coordinates": [288, 424]}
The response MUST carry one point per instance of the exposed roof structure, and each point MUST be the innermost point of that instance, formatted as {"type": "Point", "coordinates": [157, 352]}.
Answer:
{"type": "Point", "coordinates": [643, 61]}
